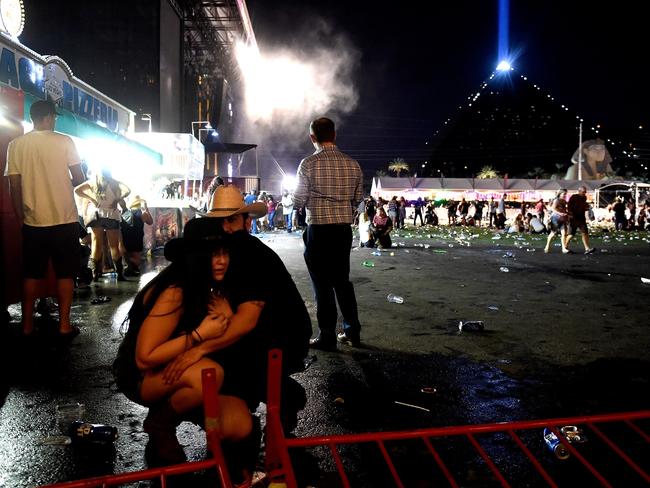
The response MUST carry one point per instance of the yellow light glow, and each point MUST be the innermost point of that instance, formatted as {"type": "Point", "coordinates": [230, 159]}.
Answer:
{"type": "Point", "coordinates": [274, 83]}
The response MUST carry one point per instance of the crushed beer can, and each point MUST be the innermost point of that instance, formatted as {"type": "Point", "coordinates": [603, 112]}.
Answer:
{"type": "Point", "coordinates": [571, 433]}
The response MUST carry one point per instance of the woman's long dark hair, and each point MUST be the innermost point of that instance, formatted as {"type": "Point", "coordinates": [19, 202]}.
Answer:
{"type": "Point", "coordinates": [193, 275]}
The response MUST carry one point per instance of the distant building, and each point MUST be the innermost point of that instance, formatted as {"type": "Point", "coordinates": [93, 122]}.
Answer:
{"type": "Point", "coordinates": [521, 130]}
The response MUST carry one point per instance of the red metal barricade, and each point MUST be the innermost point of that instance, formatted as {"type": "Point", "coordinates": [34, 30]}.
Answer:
{"type": "Point", "coordinates": [624, 462]}
{"type": "Point", "coordinates": [631, 471]}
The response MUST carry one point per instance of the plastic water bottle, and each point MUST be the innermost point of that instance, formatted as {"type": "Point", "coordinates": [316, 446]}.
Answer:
{"type": "Point", "coordinates": [368, 264]}
{"type": "Point", "coordinates": [84, 432]}
{"type": "Point", "coordinates": [394, 298]}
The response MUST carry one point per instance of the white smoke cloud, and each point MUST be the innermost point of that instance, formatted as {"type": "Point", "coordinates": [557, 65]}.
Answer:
{"type": "Point", "coordinates": [301, 77]}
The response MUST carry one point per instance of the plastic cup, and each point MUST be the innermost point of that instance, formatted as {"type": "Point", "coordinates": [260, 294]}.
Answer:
{"type": "Point", "coordinates": [68, 413]}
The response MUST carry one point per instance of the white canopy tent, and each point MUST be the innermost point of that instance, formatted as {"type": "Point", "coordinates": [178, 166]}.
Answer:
{"type": "Point", "coordinates": [517, 190]}
{"type": "Point", "coordinates": [634, 188]}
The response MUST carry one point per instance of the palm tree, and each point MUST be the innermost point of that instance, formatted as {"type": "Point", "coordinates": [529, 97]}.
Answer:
{"type": "Point", "coordinates": [398, 165]}
{"type": "Point", "coordinates": [487, 172]}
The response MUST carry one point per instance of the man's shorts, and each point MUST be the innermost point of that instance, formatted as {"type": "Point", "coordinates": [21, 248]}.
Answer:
{"type": "Point", "coordinates": [60, 243]}
{"type": "Point", "coordinates": [574, 225]}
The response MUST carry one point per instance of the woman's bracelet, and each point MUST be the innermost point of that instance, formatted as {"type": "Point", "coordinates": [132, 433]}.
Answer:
{"type": "Point", "coordinates": [196, 331]}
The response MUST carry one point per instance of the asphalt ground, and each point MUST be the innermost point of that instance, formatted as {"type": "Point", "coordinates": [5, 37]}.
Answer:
{"type": "Point", "coordinates": [564, 335]}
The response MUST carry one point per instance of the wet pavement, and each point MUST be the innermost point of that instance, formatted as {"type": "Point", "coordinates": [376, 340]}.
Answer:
{"type": "Point", "coordinates": [564, 335]}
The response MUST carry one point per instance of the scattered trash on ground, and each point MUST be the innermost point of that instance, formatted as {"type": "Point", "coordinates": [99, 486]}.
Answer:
{"type": "Point", "coordinates": [493, 308]}
{"type": "Point", "coordinates": [429, 390]}
{"type": "Point", "coordinates": [412, 406]}
{"type": "Point", "coordinates": [100, 299]}
{"type": "Point", "coordinates": [504, 269]}
{"type": "Point", "coordinates": [54, 440]}
{"type": "Point", "coordinates": [571, 433]}
{"type": "Point", "coordinates": [368, 264]}
{"type": "Point", "coordinates": [395, 298]}
{"type": "Point", "coordinates": [92, 434]}
{"type": "Point", "coordinates": [68, 413]}
{"type": "Point", "coordinates": [471, 326]}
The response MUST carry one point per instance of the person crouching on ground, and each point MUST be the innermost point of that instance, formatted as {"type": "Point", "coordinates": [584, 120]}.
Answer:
{"type": "Point", "coordinates": [381, 227]}
{"type": "Point", "coordinates": [365, 236]}
{"type": "Point", "coordinates": [179, 313]}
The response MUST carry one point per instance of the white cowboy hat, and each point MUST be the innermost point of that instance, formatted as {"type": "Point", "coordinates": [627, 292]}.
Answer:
{"type": "Point", "coordinates": [228, 200]}
{"type": "Point", "coordinates": [137, 202]}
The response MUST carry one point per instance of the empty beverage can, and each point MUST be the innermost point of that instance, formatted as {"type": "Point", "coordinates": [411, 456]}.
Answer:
{"type": "Point", "coordinates": [554, 444]}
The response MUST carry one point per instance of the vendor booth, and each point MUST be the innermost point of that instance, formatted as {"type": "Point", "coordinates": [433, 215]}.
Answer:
{"type": "Point", "coordinates": [174, 186]}
{"type": "Point", "coordinates": [96, 123]}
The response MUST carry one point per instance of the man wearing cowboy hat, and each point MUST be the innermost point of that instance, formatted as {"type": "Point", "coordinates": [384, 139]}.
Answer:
{"type": "Point", "coordinates": [284, 322]}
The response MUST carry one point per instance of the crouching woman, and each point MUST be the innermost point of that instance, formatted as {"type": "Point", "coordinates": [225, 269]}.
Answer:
{"type": "Point", "coordinates": [174, 316]}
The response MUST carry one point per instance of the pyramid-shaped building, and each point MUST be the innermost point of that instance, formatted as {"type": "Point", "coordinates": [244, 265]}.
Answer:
{"type": "Point", "coordinates": [511, 125]}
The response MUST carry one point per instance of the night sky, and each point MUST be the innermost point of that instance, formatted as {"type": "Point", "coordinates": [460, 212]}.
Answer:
{"type": "Point", "coordinates": [416, 62]}
{"type": "Point", "coordinates": [420, 60]}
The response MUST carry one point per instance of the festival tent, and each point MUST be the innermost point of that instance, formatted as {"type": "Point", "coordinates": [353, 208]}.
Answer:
{"type": "Point", "coordinates": [516, 189]}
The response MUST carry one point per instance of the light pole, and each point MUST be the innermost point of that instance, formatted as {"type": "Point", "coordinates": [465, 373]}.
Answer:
{"type": "Point", "coordinates": [147, 118]}
{"type": "Point", "coordinates": [199, 122]}
{"type": "Point", "coordinates": [580, 152]}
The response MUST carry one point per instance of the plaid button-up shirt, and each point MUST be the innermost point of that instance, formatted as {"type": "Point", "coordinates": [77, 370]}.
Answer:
{"type": "Point", "coordinates": [330, 186]}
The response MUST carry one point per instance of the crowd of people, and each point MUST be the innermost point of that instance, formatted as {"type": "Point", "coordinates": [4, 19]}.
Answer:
{"type": "Point", "coordinates": [376, 218]}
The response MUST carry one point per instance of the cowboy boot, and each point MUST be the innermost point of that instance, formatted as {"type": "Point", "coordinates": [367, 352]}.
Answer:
{"type": "Point", "coordinates": [119, 269]}
{"type": "Point", "coordinates": [97, 269]}
{"type": "Point", "coordinates": [163, 447]}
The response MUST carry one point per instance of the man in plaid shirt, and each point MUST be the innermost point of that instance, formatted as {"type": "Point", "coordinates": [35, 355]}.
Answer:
{"type": "Point", "coordinates": [330, 187]}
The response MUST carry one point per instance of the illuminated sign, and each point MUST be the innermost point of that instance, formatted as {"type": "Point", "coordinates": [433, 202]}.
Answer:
{"type": "Point", "coordinates": [50, 77]}
{"type": "Point", "coordinates": [12, 17]}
